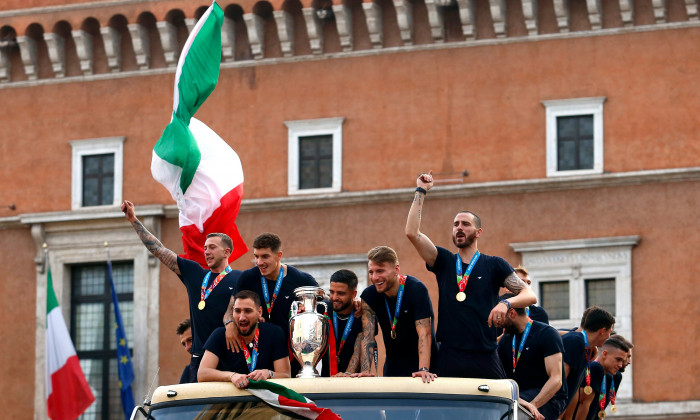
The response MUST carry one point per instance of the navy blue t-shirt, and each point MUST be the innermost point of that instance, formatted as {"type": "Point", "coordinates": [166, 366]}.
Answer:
{"type": "Point", "coordinates": [204, 322]}
{"type": "Point", "coordinates": [402, 352]}
{"type": "Point", "coordinates": [530, 372]}
{"type": "Point", "coordinates": [463, 325]}
{"type": "Point", "coordinates": [537, 313]}
{"type": "Point", "coordinates": [349, 346]}
{"type": "Point", "coordinates": [596, 383]}
{"type": "Point", "coordinates": [271, 346]}
{"type": "Point", "coordinates": [251, 280]}
{"type": "Point", "coordinates": [575, 357]}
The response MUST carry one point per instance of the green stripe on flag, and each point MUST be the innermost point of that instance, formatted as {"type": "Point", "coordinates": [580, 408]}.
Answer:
{"type": "Point", "coordinates": [51, 301]}
{"type": "Point", "coordinates": [196, 78]}
{"type": "Point", "coordinates": [277, 389]}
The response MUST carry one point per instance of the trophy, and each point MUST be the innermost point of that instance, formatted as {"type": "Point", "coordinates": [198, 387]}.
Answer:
{"type": "Point", "coordinates": [308, 330]}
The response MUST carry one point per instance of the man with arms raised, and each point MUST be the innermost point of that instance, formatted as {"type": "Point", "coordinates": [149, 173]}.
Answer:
{"type": "Point", "coordinates": [402, 306]}
{"type": "Point", "coordinates": [208, 291]}
{"type": "Point", "coordinates": [578, 349]}
{"type": "Point", "coordinates": [274, 282]}
{"type": "Point", "coordinates": [346, 326]}
{"type": "Point", "coordinates": [468, 283]}
{"type": "Point", "coordinates": [264, 348]}
{"type": "Point", "coordinates": [531, 354]}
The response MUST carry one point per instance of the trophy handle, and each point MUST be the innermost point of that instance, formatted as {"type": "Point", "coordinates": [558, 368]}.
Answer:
{"type": "Point", "coordinates": [295, 308]}
{"type": "Point", "coordinates": [325, 305]}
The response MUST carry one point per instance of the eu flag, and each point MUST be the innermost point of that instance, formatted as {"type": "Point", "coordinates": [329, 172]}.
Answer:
{"type": "Point", "coordinates": [126, 369]}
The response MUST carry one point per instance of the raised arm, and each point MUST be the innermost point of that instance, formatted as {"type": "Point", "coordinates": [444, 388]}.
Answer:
{"type": "Point", "coordinates": [424, 346]}
{"type": "Point", "coordinates": [552, 365]}
{"type": "Point", "coordinates": [523, 298]}
{"type": "Point", "coordinates": [425, 247]}
{"type": "Point", "coordinates": [166, 256]}
{"type": "Point", "coordinates": [369, 320]}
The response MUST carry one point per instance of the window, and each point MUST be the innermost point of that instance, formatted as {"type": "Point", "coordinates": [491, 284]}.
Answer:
{"type": "Point", "coordinates": [92, 321]}
{"type": "Point", "coordinates": [571, 275]}
{"type": "Point", "coordinates": [574, 136]}
{"type": "Point", "coordinates": [315, 155]}
{"type": "Point", "coordinates": [97, 172]}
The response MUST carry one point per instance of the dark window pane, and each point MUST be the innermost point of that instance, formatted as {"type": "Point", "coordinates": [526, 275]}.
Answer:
{"type": "Point", "coordinates": [89, 326]}
{"type": "Point", "coordinates": [127, 310]}
{"type": "Point", "coordinates": [575, 142]}
{"type": "Point", "coordinates": [601, 292]}
{"type": "Point", "coordinates": [555, 298]}
{"type": "Point", "coordinates": [93, 373]}
{"type": "Point", "coordinates": [315, 162]}
{"type": "Point", "coordinates": [98, 180]}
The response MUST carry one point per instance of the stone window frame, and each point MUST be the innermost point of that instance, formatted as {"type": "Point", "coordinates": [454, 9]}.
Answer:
{"type": "Point", "coordinates": [573, 107]}
{"type": "Point", "coordinates": [315, 127]}
{"type": "Point", "coordinates": [96, 146]}
{"type": "Point", "coordinates": [577, 260]}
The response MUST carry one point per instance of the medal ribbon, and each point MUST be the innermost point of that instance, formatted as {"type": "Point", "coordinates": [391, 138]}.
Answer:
{"type": "Point", "coordinates": [612, 396]}
{"type": "Point", "coordinates": [588, 358]}
{"type": "Point", "coordinates": [522, 343]}
{"type": "Point", "coordinates": [399, 297]}
{"type": "Point", "coordinates": [205, 292]}
{"type": "Point", "coordinates": [603, 391]}
{"type": "Point", "coordinates": [269, 304]}
{"type": "Point", "coordinates": [463, 279]}
{"type": "Point", "coordinates": [346, 331]}
{"type": "Point", "coordinates": [251, 359]}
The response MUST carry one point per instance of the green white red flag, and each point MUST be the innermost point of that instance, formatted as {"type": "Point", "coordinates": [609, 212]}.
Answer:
{"type": "Point", "coordinates": [281, 397]}
{"type": "Point", "coordinates": [68, 394]}
{"type": "Point", "coordinates": [199, 169]}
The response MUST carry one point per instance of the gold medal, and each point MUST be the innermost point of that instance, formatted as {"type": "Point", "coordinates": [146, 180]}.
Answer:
{"type": "Point", "coordinates": [461, 296]}
{"type": "Point", "coordinates": [601, 414]}
{"type": "Point", "coordinates": [201, 305]}
{"type": "Point", "coordinates": [613, 408]}
{"type": "Point", "coordinates": [588, 390]}
{"type": "Point", "coordinates": [393, 334]}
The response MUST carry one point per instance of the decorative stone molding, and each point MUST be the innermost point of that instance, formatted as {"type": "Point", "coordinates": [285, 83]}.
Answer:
{"type": "Point", "coordinates": [256, 33]}
{"type": "Point", "coordinates": [27, 49]}
{"type": "Point", "coordinates": [627, 12]}
{"type": "Point", "coordinates": [498, 16]}
{"type": "Point", "coordinates": [466, 17]}
{"type": "Point", "coordinates": [113, 41]}
{"type": "Point", "coordinates": [343, 21]}
{"type": "Point", "coordinates": [594, 13]}
{"type": "Point", "coordinates": [561, 10]}
{"type": "Point", "coordinates": [83, 46]}
{"type": "Point", "coordinates": [373, 14]}
{"type": "Point", "coordinates": [168, 39]}
{"type": "Point", "coordinates": [141, 43]}
{"type": "Point", "coordinates": [228, 39]}
{"type": "Point", "coordinates": [285, 29]}
{"type": "Point", "coordinates": [404, 16]}
{"type": "Point", "coordinates": [313, 28]}
{"type": "Point", "coordinates": [437, 30]}
{"type": "Point", "coordinates": [530, 15]}
{"type": "Point", "coordinates": [56, 45]}
{"type": "Point", "coordinates": [4, 65]}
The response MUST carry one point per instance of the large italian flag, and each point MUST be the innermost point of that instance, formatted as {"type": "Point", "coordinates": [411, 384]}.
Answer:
{"type": "Point", "coordinates": [282, 397]}
{"type": "Point", "coordinates": [67, 392]}
{"type": "Point", "coordinates": [201, 172]}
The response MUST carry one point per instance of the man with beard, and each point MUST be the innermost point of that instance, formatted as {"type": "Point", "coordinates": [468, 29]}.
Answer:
{"type": "Point", "coordinates": [611, 360]}
{"type": "Point", "coordinates": [208, 291]}
{"type": "Point", "coordinates": [274, 282]}
{"type": "Point", "coordinates": [531, 354]}
{"type": "Point", "coordinates": [346, 326]}
{"type": "Point", "coordinates": [264, 346]}
{"type": "Point", "coordinates": [468, 306]}
{"type": "Point", "coordinates": [402, 307]}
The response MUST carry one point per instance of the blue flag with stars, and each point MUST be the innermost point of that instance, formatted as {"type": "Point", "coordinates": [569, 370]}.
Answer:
{"type": "Point", "coordinates": [126, 369]}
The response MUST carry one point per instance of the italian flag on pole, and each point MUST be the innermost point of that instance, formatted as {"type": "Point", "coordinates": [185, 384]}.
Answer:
{"type": "Point", "coordinates": [67, 392]}
{"type": "Point", "coordinates": [282, 397]}
{"type": "Point", "coordinates": [201, 172]}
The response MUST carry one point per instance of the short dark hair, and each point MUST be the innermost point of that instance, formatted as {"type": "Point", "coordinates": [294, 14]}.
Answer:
{"type": "Point", "coordinates": [346, 277]}
{"type": "Point", "coordinates": [382, 254]}
{"type": "Point", "coordinates": [184, 326]}
{"type": "Point", "coordinates": [519, 311]}
{"type": "Point", "coordinates": [598, 318]}
{"type": "Point", "coordinates": [585, 315]}
{"type": "Point", "coordinates": [624, 340]}
{"type": "Point", "coordinates": [477, 219]}
{"type": "Point", "coordinates": [268, 240]}
{"type": "Point", "coordinates": [522, 270]}
{"type": "Point", "coordinates": [618, 342]}
{"type": "Point", "coordinates": [248, 294]}
{"type": "Point", "coordinates": [225, 239]}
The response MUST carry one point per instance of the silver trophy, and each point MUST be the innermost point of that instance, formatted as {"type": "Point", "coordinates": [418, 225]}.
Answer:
{"type": "Point", "coordinates": [308, 330]}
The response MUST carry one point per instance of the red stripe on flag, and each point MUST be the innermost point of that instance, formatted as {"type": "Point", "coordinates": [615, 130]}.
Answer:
{"type": "Point", "coordinates": [323, 413]}
{"type": "Point", "coordinates": [70, 392]}
{"type": "Point", "coordinates": [223, 220]}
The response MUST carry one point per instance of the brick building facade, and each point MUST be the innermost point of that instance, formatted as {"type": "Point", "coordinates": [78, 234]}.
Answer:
{"type": "Point", "coordinates": [570, 127]}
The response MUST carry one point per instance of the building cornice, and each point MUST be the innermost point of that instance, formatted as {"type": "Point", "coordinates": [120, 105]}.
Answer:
{"type": "Point", "coordinates": [481, 189]}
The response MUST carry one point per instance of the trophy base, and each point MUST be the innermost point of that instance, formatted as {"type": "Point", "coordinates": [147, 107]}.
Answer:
{"type": "Point", "coordinates": [308, 372]}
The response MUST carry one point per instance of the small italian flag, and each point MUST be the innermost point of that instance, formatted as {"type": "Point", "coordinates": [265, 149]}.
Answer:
{"type": "Point", "coordinates": [68, 394]}
{"type": "Point", "coordinates": [281, 397]}
{"type": "Point", "coordinates": [201, 172]}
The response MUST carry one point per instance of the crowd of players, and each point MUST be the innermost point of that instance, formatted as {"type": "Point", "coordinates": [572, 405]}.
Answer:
{"type": "Point", "coordinates": [489, 324]}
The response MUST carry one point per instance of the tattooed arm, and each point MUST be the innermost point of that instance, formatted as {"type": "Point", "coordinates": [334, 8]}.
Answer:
{"type": "Point", "coordinates": [369, 321]}
{"type": "Point", "coordinates": [523, 298]}
{"type": "Point", "coordinates": [424, 346]}
{"type": "Point", "coordinates": [166, 256]}
{"type": "Point", "coordinates": [425, 247]}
